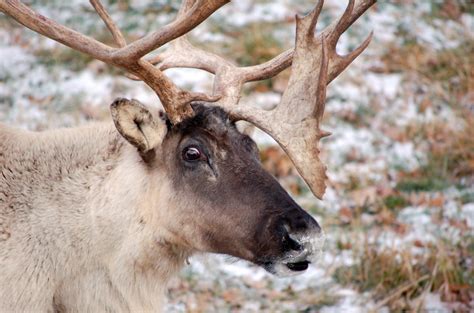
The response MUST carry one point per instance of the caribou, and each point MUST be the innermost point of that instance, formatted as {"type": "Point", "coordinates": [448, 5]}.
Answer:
{"type": "Point", "coordinates": [99, 218]}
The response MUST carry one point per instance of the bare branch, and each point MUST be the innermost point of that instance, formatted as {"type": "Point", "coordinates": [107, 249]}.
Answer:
{"type": "Point", "coordinates": [118, 37]}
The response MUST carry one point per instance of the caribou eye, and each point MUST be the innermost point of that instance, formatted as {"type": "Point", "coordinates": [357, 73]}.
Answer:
{"type": "Point", "coordinates": [191, 154]}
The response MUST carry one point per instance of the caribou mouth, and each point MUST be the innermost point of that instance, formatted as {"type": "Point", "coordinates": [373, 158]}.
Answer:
{"type": "Point", "coordinates": [298, 266]}
{"type": "Point", "coordinates": [297, 262]}
{"type": "Point", "coordinates": [286, 269]}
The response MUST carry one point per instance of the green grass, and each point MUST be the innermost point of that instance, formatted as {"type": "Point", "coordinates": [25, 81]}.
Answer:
{"type": "Point", "coordinates": [395, 201]}
{"type": "Point", "coordinates": [467, 197]}
{"type": "Point", "coordinates": [66, 57]}
{"type": "Point", "coordinates": [421, 184]}
{"type": "Point", "coordinates": [451, 9]}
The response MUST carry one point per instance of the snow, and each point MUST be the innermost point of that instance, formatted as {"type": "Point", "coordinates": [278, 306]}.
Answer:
{"type": "Point", "coordinates": [243, 12]}
{"type": "Point", "coordinates": [351, 301]}
{"type": "Point", "coordinates": [432, 303]}
{"type": "Point", "coordinates": [387, 84]}
{"type": "Point", "coordinates": [196, 80]}
{"type": "Point", "coordinates": [467, 213]}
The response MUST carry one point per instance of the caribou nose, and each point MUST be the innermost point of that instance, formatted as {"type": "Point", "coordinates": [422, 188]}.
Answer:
{"type": "Point", "coordinates": [299, 225]}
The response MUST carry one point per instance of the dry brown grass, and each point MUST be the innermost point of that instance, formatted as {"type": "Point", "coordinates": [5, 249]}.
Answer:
{"type": "Point", "coordinates": [253, 44]}
{"type": "Point", "coordinates": [451, 68]}
{"type": "Point", "coordinates": [400, 279]}
{"type": "Point", "coordinates": [449, 77]}
{"type": "Point", "coordinates": [450, 149]}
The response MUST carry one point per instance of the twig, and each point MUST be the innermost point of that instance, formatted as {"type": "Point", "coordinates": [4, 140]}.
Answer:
{"type": "Point", "coordinates": [399, 291]}
{"type": "Point", "coordinates": [427, 289]}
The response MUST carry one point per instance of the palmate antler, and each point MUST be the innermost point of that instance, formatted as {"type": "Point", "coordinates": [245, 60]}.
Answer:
{"type": "Point", "coordinates": [294, 123]}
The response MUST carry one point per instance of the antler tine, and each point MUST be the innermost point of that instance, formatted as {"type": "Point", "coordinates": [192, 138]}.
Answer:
{"type": "Point", "coordinates": [49, 28]}
{"type": "Point", "coordinates": [339, 63]}
{"type": "Point", "coordinates": [341, 25]}
{"type": "Point", "coordinates": [114, 30]}
{"type": "Point", "coordinates": [313, 15]}
{"type": "Point", "coordinates": [268, 69]}
{"type": "Point", "coordinates": [295, 122]}
{"type": "Point", "coordinates": [195, 15]}
{"type": "Point", "coordinates": [320, 100]}
{"type": "Point", "coordinates": [284, 60]}
{"type": "Point", "coordinates": [279, 63]}
{"type": "Point", "coordinates": [305, 28]}
{"type": "Point", "coordinates": [182, 53]}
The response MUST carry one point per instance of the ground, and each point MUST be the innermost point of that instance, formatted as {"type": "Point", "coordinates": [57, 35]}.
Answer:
{"type": "Point", "coordinates": [399, 210]}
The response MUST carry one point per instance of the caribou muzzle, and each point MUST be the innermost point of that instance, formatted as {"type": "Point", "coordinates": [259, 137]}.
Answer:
{"type": "Point", "coordinates": [301, 241]}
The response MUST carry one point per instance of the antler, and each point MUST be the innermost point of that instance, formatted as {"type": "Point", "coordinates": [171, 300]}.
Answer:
{"type": "Point", "coordinates": [294, 123]}
{"type": "Point", "coordinates": [128, 57]}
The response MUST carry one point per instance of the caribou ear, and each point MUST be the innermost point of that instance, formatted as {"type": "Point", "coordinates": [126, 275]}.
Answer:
{"type": "Point", "coordinates": [138, 126]}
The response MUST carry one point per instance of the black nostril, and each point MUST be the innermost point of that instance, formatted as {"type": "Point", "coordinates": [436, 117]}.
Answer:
{"type": "Point", "coordinates": [294, 245]}
{"type": "Point", "coordinates": [291, 244]}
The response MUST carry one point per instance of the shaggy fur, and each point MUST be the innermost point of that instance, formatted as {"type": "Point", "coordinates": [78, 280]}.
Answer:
{"type": "Point", "coordinates": [73, 224]}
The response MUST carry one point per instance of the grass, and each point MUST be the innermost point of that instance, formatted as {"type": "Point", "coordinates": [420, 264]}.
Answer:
{"type": "Point", "coordinates": [450, 154]}
{"type": "Point", "coordinates": [68, 58]}
{"type": "Point", "coordinates": [449, 148]}
{"type": "Point", "coordinates": [448, 76]}
{"type": "Point", "coordinates": [467, 197]}
{"type": "Point", "coordinates": [451, 9]}
{"type": "Point", "coordinates": [399, 279]}
{"type": "Point", "coordinates": [451, 68]}
{"type": "Point", "coordinates": [456, 154]}
{"type": "Point", "coordinates": [395, 201]}
{"type": "Point", "coordinates": [421, 184]}
{"type": "Point", "coordinates": [252, 44]}
{"type": "Point", "coordinates": [257, 45]}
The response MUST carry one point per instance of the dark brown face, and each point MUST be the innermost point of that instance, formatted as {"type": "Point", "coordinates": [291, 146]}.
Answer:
{"type": "Point", "coordinates": [228, 203]}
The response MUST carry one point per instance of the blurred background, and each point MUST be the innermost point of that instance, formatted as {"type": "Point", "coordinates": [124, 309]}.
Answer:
{"type": "Point", "coordinates": [399, 210]}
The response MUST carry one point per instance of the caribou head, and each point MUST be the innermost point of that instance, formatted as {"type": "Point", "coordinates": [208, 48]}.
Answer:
{"type": "Point", "coordinates": [222, 200]}
{"type": "Point", "coordinates": [226, 202]}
